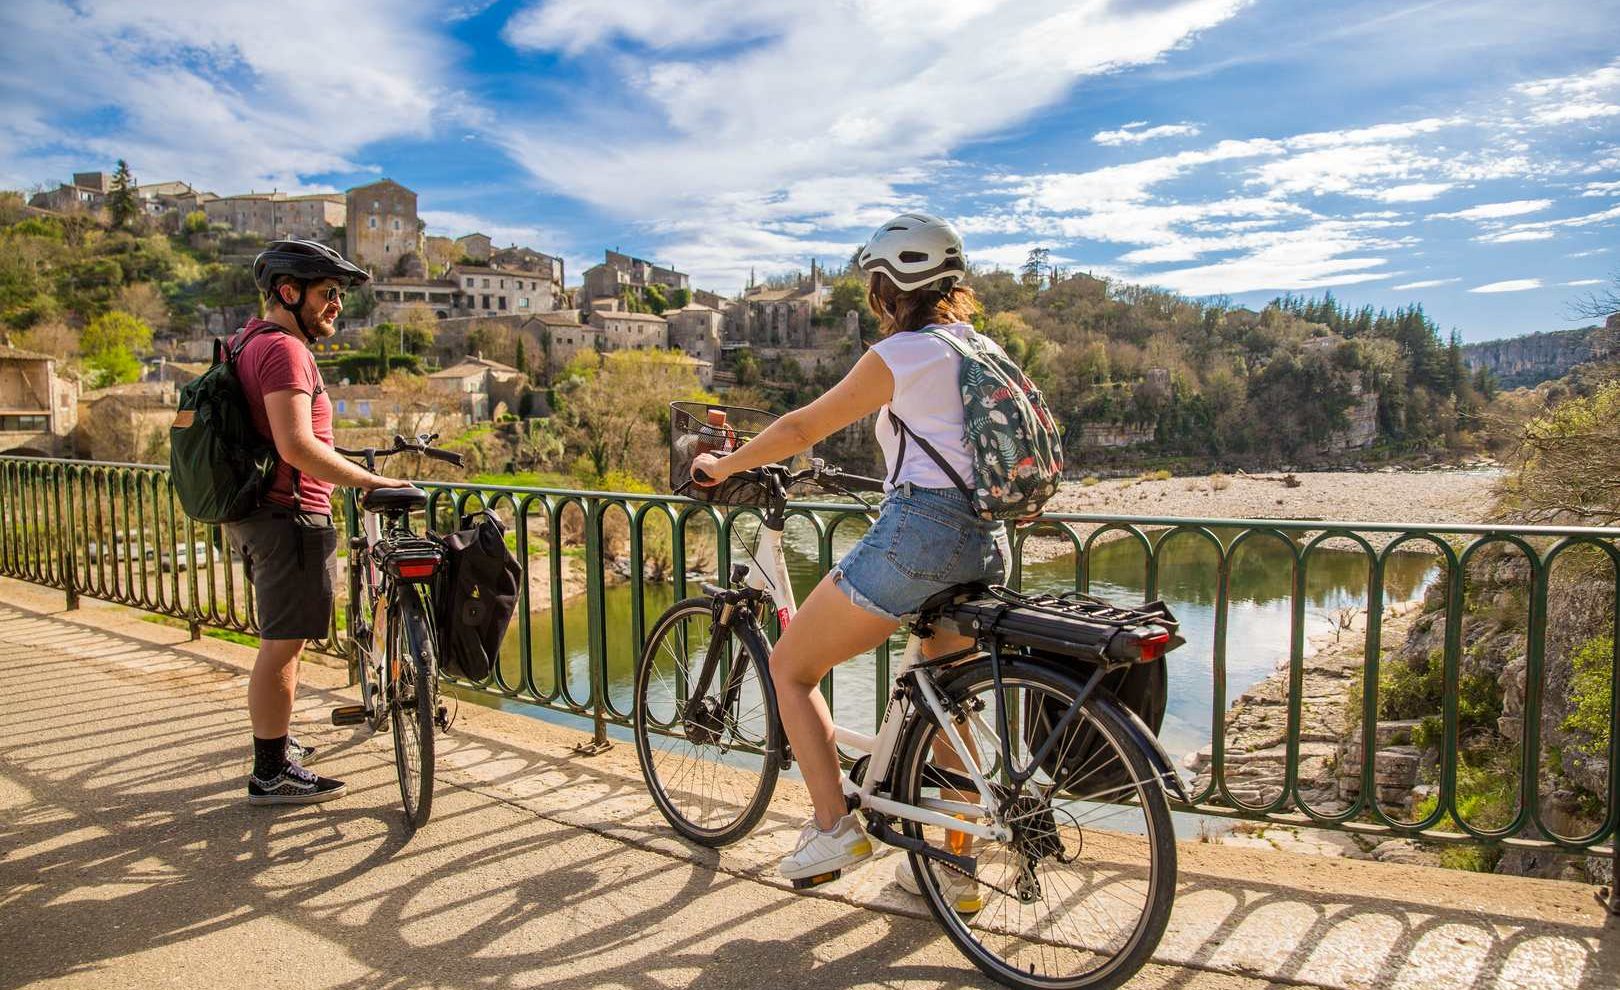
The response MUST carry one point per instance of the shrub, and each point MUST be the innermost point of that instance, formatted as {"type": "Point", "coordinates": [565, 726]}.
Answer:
{"type": "Point", "coordinates": [1219, 482]}
{"type": "Point", "coordinates": [1089, 480]}
{"type": "Point", "coordinates": [1589, 694]}
{"type": "Point", "coordinates": [1160, 475]}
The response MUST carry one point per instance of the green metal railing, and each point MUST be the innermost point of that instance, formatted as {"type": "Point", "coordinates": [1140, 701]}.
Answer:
{"type": "Point", "coordinates": [116, 532]}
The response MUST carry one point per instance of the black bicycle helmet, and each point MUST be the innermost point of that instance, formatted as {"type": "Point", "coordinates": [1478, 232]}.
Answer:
{"type": "Point", "coordinates": [305, 261]}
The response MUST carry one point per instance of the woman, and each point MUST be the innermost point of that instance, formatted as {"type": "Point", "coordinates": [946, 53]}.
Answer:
{"type": "Point", "coordinates": [927, 536]}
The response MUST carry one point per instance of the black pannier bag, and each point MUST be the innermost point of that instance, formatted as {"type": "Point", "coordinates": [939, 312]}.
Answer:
{"type": "Point", "coordinates": [476, 597]}
{"type": "Point", "coordinates": [1077, 631]}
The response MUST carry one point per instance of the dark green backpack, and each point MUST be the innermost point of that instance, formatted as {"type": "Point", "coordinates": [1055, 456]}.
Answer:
{"type": "Point", "coordinates": [219, 463]}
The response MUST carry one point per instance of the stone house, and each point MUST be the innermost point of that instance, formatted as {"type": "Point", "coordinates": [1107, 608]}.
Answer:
{"type": "Point", "coordinates": [567, 338]}
{"type": "Point", "coordinates": [620, 271]}
{"type": "Point", "coordinates": [631, 331]}
{"type": "Point", "coordinates": [524, 259]}
{"type": "Point", "coordinates": [276, 215]}
{"type": "Point", "coordinates": [86, 193]}
{"type": "Point", "coordinates": [483, 388]}
{"type": "Point", "coordinates": [126, 422]}
{"type": "Point", "coordinates": [396, 295]}
{"type": "Point", "coordinates": [169, 203]}
{"type": "Point", "coordinates": [490, 291]}
{"type": "Point", "coordinates": [369, 405]}
{"type": "Point", "coordinates": [697, 330]}
{"type": "Point", "coordinates": [382, 227]}
{"type": "Point", "coordinates": [475, 246]}
{"type": "Point", "coordinates": [779, 317]}
{"type": "Point", "coordinates": [38, 406]}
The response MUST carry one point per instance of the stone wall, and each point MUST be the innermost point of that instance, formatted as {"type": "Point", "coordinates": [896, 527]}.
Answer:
{"type": "Point", "coordinates": [1115, 434]}
{"type": "Point", "coordinates": [1532, 358]}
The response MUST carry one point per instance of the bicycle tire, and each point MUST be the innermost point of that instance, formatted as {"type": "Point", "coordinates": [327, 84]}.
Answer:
{"type": "Point", "coordinates": [716, 776]}
{"type": "Point", "coordinates": [412, 703]}
{"type": "Point", "coordinates": [1109, 868]}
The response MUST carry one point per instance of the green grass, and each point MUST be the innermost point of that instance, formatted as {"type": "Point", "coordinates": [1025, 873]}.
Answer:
{"type": "Point", "coordinates": [1589, 690]}
{"type": "Point", "coordinates": [1487, 797]}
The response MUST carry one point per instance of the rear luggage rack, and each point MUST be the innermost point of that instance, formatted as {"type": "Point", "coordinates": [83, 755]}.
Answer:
{"type": "Point", "coordinates": [1071, 624]}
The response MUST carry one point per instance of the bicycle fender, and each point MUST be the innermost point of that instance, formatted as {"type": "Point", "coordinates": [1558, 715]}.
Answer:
{"type": "Point", "coordinates": [1169, 779]}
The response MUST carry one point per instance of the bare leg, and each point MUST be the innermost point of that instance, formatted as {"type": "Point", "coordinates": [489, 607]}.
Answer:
{"type": "Point", "coordinates": [937, 645]}
{"type": "Point", "coordinates": [828, 630]}
{"type": "Point", "coordinates": [271, 688]}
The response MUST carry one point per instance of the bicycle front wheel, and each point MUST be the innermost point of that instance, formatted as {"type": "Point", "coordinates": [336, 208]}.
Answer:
{"type": "Point", "coordinates": [1079, 894]}
{"type": "Point", "coordinates": [412, 702]}
{"type": "Point", "coordinates": [710, 761]}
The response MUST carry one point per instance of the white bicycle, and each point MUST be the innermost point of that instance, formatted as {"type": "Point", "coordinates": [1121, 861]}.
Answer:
{"type": "Point", "coordinates": [1010, 764]}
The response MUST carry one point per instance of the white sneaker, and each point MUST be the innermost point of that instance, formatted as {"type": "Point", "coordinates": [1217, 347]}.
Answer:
{"type": "Point", "coordinates": [819, 856]}
{"type": "Point", "coordinates": [961, 891]}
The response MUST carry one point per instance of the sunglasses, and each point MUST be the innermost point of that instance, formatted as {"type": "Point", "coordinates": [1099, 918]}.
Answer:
{"type": "Point", "coordinates": [332, 293]}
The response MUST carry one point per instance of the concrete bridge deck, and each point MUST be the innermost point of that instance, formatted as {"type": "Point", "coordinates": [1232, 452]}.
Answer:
{"type": "Point", "coordinates": [129, 858]}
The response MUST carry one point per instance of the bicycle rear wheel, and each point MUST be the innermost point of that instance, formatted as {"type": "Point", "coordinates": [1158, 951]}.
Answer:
{"type": "Point", "coordinates": [1080, 894]}
{"type": "Point", "coordinates": [412, 702]}
{"type": "Point", "coordinates": [711, 767]}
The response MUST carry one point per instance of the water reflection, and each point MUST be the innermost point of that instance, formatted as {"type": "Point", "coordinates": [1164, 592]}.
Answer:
{"type": "Point", "coordinates": [1258, 618]}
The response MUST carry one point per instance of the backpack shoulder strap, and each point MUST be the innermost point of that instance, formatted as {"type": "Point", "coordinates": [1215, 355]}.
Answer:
{"type": "Point", "coordinates": [958, 346]}
{"type": "Point", "coordinates": [901, 428]}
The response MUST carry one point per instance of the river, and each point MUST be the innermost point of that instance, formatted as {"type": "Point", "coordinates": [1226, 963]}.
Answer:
{"type": "Point", "coordinates": [1257, 626]}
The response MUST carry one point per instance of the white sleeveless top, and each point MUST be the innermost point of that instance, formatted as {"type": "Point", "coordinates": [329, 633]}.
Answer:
{"type": "Point", "coordinates": [927, 398]}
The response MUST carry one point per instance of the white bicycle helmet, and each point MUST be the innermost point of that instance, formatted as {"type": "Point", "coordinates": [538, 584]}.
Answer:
{"type": "Point", "coordinates": [916, 251]}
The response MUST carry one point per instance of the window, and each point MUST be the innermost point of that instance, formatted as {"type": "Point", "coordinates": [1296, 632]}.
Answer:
{"type": "Point", "coordinates": [486, 285]}
{"type": "Point", "coordinates": [376, 205]}
{"type": "Point", "coordinates": [503, 283]}
{"type": "Point", "coordinates": [371, 222]}
{"type": "Point", "coordinates": [12, 424]}
{"type": "Point", "coordinates": [501, 302]}
{"type": "Point", "coordinates": [396, 224]}
{"type": "Point", "coordinates": [486, 295]}
{"type": "Point", "coordinates": [523, 303]}
{"type": "Point", "coordinates": [470, 282]}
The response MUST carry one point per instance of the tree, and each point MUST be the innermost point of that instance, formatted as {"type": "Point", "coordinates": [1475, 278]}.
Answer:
{"type": "Point", "coordinates": [1569, 463]}
{"type": "Point", "coordinates": [196, 222]}
{"type": "Point", "coordinates": [618, 416]}
{"type": "Point", "coordinates": [1602, 304]}
{"type": "Point", "coordinates": [121, 202]}
{"type": "Point", "coordinates": [116, 330]}
{"type": "Point", "coordinates": [1033, 271]}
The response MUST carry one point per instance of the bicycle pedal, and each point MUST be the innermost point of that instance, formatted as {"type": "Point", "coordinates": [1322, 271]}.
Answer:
{"type": "Point", "coordinates": [349, 714]}
{"type": "Point", "coordinates": [805, 883]}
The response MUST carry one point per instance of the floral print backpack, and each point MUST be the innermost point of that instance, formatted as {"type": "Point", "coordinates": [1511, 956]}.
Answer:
{"type": "Point", "coordinates": [1017, 451]}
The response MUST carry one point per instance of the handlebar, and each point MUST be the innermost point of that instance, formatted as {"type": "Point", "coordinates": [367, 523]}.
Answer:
{"type": "Point", "coordinates": [421, 445]}
{"type": "Point", "coordinates": [776, 475]}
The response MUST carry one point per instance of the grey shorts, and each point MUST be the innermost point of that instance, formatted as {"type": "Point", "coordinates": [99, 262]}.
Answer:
{"type": "Point", "coordinates": [291, 559]}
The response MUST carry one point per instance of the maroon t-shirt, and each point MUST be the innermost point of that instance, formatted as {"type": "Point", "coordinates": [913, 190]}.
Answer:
{"type": "Point", "coordinates": [275, 361]}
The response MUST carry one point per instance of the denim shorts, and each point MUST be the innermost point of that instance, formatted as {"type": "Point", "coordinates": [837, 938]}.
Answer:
{"type": "Point", "coordinates": [924, 541]}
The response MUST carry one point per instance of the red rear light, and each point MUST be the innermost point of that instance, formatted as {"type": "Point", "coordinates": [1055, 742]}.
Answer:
{"type": "Point", "coordinates": [416, 568]}
{"type": "Point", "coordinates": [1152, 646]}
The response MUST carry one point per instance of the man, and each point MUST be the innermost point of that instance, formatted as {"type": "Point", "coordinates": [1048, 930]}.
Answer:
{"type": "Point", "coordinates": [288, 545]}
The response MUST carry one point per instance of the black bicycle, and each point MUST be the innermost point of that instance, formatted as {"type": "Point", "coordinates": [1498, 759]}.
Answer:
{"type": "Point", "coordinates": [391, 575]}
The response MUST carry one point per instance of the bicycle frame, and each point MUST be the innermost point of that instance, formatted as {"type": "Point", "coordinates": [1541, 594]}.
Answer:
{"type": "Point", "coordinates": [772, 578]}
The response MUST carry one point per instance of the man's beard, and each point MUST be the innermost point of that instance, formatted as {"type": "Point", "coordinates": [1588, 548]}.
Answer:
{"type": "Point", "coordinates": [315, 325]}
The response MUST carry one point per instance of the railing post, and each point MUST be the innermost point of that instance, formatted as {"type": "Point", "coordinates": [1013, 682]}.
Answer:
{"type": "Point", "coordinates": [70, 573]}
{"type": "Point", "coordinates": [596, 631]}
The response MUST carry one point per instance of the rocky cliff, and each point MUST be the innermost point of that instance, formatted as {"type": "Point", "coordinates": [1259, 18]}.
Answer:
{"type": "Point", "coordinates": [1532, 358]}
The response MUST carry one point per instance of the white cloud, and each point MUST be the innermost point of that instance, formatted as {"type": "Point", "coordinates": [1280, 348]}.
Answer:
{"type": "Point", "coordinates": [1494, 211]}
{"type": "Point", "coordinates": [1138, 132]}
{"type": "Point", "coordinates": [1588, 254]}
{"type": "Point", "coordinates": [1586, 281]}
{"type": "Point", "coordinates": [1574, 98]}
{"type": "Point", "coordinates": [1412, 192]}
{"type": "Point", "coordinates": [1541, 230]}
{"type": "Point", "coordinates": [1511, 285]}
{"type": "Point", "coordinates": [1602, 189]}
{"type": "Point", "coordinates": [1516, 236]}
{"type": "Point", "coordinates": [1317, 256]}
{"type": "Point", "coordinates": [214, 94]}
{"type": "Point", "coordinates": [821, 90]}
{"type": "Point", "coordinates": [1425, 284]}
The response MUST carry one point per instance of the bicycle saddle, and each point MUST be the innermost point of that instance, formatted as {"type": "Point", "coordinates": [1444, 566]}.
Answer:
{"type": "Point", "coordinates": [394, 499]}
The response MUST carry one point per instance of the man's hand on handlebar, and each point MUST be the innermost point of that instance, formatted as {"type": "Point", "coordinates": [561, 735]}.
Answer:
{"type": "Point", "coordinates": [377, 481]}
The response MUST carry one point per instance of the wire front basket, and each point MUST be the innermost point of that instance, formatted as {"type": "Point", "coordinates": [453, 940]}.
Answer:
{"type": "Point", "coordinates": [704, 428]}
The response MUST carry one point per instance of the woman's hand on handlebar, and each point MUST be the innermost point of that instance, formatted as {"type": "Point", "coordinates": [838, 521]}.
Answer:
{"type": "Point", "coordinates": [707, 472]}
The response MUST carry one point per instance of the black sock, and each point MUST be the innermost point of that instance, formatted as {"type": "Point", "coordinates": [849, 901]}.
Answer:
{"type": "Point", "coordinates": [269, 757]}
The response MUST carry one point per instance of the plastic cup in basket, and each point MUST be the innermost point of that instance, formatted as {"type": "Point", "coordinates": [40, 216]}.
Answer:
{"type": "Point", "coordinates": [711, 428]}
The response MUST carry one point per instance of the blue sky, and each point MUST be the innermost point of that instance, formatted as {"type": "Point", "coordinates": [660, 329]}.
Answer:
{"type": "Point", "coordinates": [1462, 154]}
